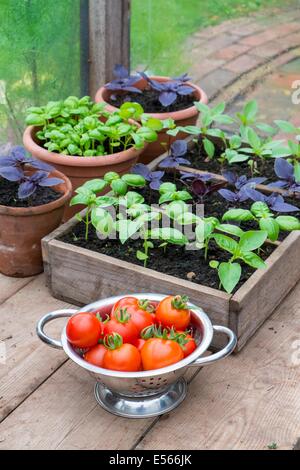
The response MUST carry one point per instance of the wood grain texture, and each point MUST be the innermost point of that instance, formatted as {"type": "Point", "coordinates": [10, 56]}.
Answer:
{"type": "Point", "coordinates": [246, 401]}
{"type": "Point", "coordinates": [28, 361]}
{"type": "Point", "coordinates": [10, 285]}
{"type": "Point", "coordinates": [63, 414]}
{"type": "Point", "coordinates": [109, 40]}
{"type": "Point", "coordinates": [85, 276]}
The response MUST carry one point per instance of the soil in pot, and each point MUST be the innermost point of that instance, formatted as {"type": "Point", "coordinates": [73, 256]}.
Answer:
{"type": "Point", "coordinates": [9, 195]}
{"type": "Point", "coordinates": [150, 102]}
{"type": "Point", "coordinates": [176, 261]}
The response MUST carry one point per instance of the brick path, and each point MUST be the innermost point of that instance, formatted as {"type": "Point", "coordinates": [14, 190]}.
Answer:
{"type": "Point", "coordinates": [227, 59]}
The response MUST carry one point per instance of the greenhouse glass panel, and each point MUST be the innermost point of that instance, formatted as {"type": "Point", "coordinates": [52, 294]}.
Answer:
{"type": "Point", "coordinates": [39, 58]}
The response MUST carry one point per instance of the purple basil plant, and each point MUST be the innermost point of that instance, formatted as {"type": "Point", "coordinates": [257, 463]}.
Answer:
{"type": "Point", "coordinates": [14, 165]}
{"type": "Point", "coordinates": [200, 184]}
{"type": "Point", "coordinates": [177, 150]}
{"type": "Point", "coordinates": [170, 90]}
{"type": "Point", "coordinates": [275, 201]}
{"type": "Point", "coordinates": [286, 174]}
{"type": "Point", "coordinates": [123, 81]}
{"type": "Point", "coordinates": [153, 177]}
{"type": "Point", "coordinates": [240, 184]}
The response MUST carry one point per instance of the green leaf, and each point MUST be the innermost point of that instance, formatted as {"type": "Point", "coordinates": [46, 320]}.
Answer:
{"type": "Point", "coordinates": [141, 256]}
{"type": "Point", "coordinates": [266, 128]}
{"type": "Point", "coordinates": [127, 228]}
{"type": "Point", "coordinates": [231, 229]}
{"type": "Point", "coordinates": [176, 209]}
{"type": "Point", "coordinates": [149, 135]}
{"type": "Point", "coordinates": [35, 120]}
{"type": "Point", "coordinates": [119, 187]}
{"type": "Point", "coordinates": [166, 197]}
{"type": "Point", "coordinates": [288, 222]}
{"type": "Point", "coordinates": [182, 195]}
{"type": "Point", "coordinates": [286, 126]}
{"type": "Point", "coordinates": [169, 234]}
{"type": "Point", "coordinates": [209, 147]}
{"type": "Point", "coordinates": [105, 201]}
{"type": "Point", "coordinates": [271, 227]}
{"type": "Point", "coordinates": [253, 139]}
{"type": "Point", "coordinates": [167, 188]}
{"type": "Point", "coordinates": [80, 199]}
{"type": "Point", "coordinates": [226, 243]}
{"type": "Point", "coordinates": [154, 123]}
{"type": "Point", "coordinates": [297, 172]}
{"type": "Point", "coordinates": [130, 199]}
{"type": "Point", "coordinates": [187, 218]}
{"type": "Point", "coordinates": [214, 264]}
{"type": "Point", "coordinates": [203, 230]}
{"type": "Point", "coordinates": [250, 110]}
{"type": "Point", "coordinates": [111, 176]}
{"type": "Point", "coordinates": [131, 110]}
{"type": "Point", "coordinates": [252, 240]}
{"type": "Point", "coordinates": [241, 215]}
{"type": "Point", "coordinates": [96, 185]}
{"type": "Point", "coordinates": [136, 181]}
{"type": "Point", "coordinates": [253, 260]}
{"type": "Point", "coordinates": [229, 275]}
{"type": "Point", "coordinates": [260, 209]}
{"type": "Point", "coordinates": [102, 221]}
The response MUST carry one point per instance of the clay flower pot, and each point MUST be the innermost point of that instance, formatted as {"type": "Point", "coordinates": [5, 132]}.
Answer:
{"type": "Point", "coordinates": [80, 169]}
{"type": "Point", "coordinates": [22, 229]}
{"type": "Point", "coordinates": [185, 117]}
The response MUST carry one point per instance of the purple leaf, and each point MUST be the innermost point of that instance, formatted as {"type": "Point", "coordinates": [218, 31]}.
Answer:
{"type": "Point", "coordinates": [179, 148]}
{"type": "Point", "coordinates": [278, 205]}
{"type": "Point", "coordinates": [199, 187]}
{"type": "Point", "coordinates": [39, 165]}
{"type": "Point", "coordinates": [166, 98]}
{"type": "Point", "coordinates": [228, 195]}
{"type": "Point", "coordinates": [141, 169]}
{"type": "Point", "coordinates": [18, 153]}
{"type": "Point", "coordinates": [182, 78]}
{"type": "Point", "coordinates": [283, 169]}
{"type": "Point", "coordinates": [11, 173]}
{"type": "Point", "coordinates": [258, 180]}
{"type": "Point", "coordinates": [47, 182]}
{"type": "Point", "coordinates": [254, 194]}
{"type": "Point", "coordinates": [277, 184]}
{"type": "Point", "coordinates": [230, 176]}
{"type": "Point", "coordinates": [157, 174]}
{"type": "Point", "coordinates": [26, 189]}
{"type": "Point", "coordinates": [155, 184]}
{"type": "Point", "coordinates": [185, 90]}
{"type": "Point", "coordinates": [168, 162]}
{"type": "Point", "coordinates": [182, 161]}
{"type": "Point", "coordinates": [120, 71]}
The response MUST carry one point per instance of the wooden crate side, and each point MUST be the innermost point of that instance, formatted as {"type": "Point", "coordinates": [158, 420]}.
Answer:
{"type": "Point", "coordinates": [255, 301]}
{"type": "Point", "coordinates": [83, 276]}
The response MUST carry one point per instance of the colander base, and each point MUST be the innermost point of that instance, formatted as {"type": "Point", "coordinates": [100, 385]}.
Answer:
{"type": "Point", "coordinates": [141, 407]}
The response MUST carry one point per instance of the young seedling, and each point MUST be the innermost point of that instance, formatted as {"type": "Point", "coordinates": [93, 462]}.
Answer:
{"type": "Point", "coordinates": [168, 192]}
{"type": "Point", "coordinates": [169, 91]}
{"type": "Point", "coordinates": [289, 176]}
{"type": "Point", "coordinates": [123, 82]}
{"type": "Point", "coordinates": [240, 184]}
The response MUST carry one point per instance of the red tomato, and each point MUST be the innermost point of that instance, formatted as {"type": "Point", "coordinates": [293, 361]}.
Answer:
{"type": "Point", "coordinates": [95, 355]}
{"type": "Point", "coordinates": [173, 311]}
{"type": "Point", "coordinates": [84, 330]}
{"type": "Point", "coordinates": [139, 343]}
{"type": "Point", "coordinates": [139, 311]}
{"type": "Point", "coordinates": [190, 345]}
{"type": "Point", "coordinates": [121, 357]}
{"type": "Point", "coordinates": [157, 353]}
{"type": "Point", "coordinates": [124, 326]}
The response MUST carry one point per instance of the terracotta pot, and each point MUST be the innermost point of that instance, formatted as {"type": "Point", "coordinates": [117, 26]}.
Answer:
{"type": "Point", "coordinates": [185, 117]}
{"type": "Point", "coordinates": [80, 169]}
{"type": "Point", "coordinates": [21, 231]}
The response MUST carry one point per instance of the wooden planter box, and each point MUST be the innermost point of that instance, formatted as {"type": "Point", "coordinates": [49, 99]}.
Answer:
{"type": "Point", "coordinates": [81, 276]}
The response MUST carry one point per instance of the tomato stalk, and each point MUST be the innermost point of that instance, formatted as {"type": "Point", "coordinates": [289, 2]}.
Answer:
{"type": "Point", "coordinates": [113, 341]}
{"type": "Point", "coordinates": [180, 302]}
{"type": "Point", "coordinates": [122, 315]}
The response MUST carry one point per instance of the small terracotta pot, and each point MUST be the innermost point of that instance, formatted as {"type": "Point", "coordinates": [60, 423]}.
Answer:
{"type": "Point", "coordinates": [22, 229]}
{"type": "Point", "coordinates": [185, 117]}
{"type": "Point", "coordinates": [80, 169]}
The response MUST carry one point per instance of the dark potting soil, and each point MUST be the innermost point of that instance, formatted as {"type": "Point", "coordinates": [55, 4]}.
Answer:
{"type": "Point", "coordinates": [9, 195]}
{"type": "Point", "coordinates": [199, 161]}
{"type": "Point", "coordinates": [150, 102]}
{"type": "Point", "coordinates": [176, 261]}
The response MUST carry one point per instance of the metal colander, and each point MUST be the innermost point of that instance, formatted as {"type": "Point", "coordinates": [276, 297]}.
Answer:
{"type": "Point", "coordinates": [139, 385]}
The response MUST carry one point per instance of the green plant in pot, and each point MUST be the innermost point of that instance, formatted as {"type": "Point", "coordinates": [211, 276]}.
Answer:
{"type": "Point", "coordinates": [83, 140]}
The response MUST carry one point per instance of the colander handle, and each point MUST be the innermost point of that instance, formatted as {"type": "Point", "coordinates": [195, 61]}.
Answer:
{"type": "Point", "coordinates": [204, 361]}
{"type": "Point", "coordinates": [54, 343]}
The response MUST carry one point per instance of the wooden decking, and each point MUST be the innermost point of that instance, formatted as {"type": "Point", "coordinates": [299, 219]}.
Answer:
{"type": "Point", "coordinates": [46, 402]}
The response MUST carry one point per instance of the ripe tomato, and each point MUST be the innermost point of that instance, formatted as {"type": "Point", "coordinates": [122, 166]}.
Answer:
{"type": "Point", "coordinates": [139, 311]}
{"type": "Point", "coordinates": [84, 330]}
{"type": "Point", "coordinates": [157, 353]}
{"type": "Point", "coordinates": [190, 345]}
{"type": "Point", "coordinates": [121, 357]}
{"type": "Point", "coordinates": [173, 311]}
{"type": "Point", "coordinates": [124, 326]}
{"type": "Point", "coordinates": [139, 343]}
{"type": "Point", "coordinates": [96, 355]}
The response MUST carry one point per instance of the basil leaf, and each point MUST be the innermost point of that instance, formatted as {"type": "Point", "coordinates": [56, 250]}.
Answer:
{"type": "Point", "coordinates": [229, 275]}
{"type": "Point", "coordinates": [252, 240]}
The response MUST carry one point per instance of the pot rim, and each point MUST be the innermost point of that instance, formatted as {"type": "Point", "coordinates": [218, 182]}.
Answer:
{"type": "Point", "coordinates": [176, 115]}
{"type": "Point", "coordinates": [207, 335]}
{"type": "Point", "coordinates": [44, 208]}
{"type": "Point", "coordinates": [76, 160]}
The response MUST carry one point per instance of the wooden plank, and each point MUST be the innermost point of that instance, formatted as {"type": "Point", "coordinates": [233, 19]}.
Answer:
{"type": "Point", "coordinates": [265, 289]}
{"type": "Point", "coordinates": [246, 401]}
{"type": "Point", "coordinates": [63, 414]}
{"type": "Point", "coordinates": [85, 276]}
{"type": "Point", "coordinates": [109, 40]}
{"type": "Point", "coordinates": [28, 361]}
{"type": "Point", "coordinates": [10, 285]}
